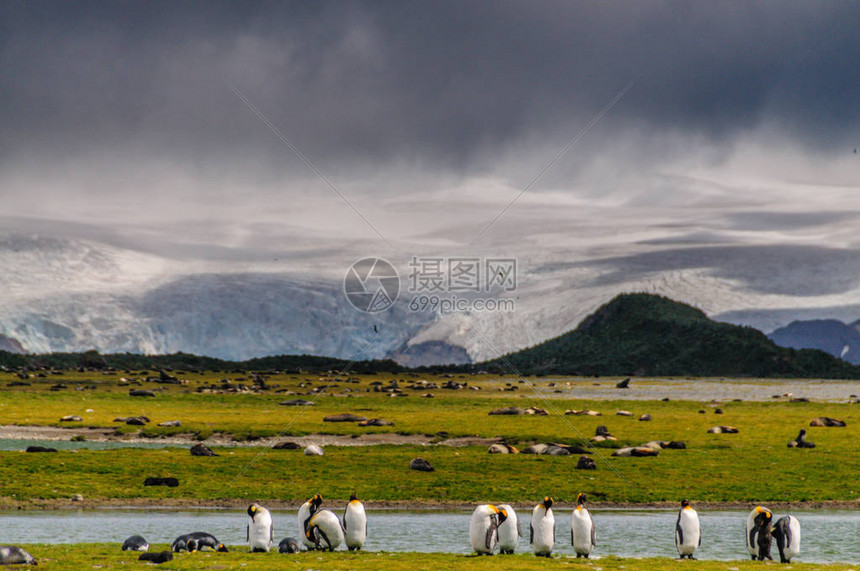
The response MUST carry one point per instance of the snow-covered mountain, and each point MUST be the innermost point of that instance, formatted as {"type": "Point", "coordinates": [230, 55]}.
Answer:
{"type": "Point", "coordinates": [64, 294]}
{"type": "Point", "coordinates": [830, 335]}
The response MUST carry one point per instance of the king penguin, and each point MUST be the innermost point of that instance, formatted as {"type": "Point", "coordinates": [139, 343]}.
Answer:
{"type": "Point", "coordinates": [509, 530]}
{"type": "Point", "coordinates": [354, 523]}
{"type": "Point", "coordinates": [759, 533]}
{"type": "Point", "coordinates": [582, 533]}
{"type": "Point", "coordinates": [484, 528]}
{"type": "Point", "coordinates": [306, 511]}
{"type": "Point", "coordinates": [786, 531]}
{"type": "Point", "coordinates": [324, 530]}
{"type": "Point", "coordinates": [688, 531]}
{"type": "Point", "coordinates": [259, 532]}
{"type": "Point", "coordinates": [542, 528]}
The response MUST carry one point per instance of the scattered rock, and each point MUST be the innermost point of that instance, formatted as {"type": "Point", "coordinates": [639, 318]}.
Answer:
{"type": "Point", "coordinates": [645, 417]}
{"type": "Point", "coordinates": [718, 411]}
{"type": "Point", "coordinates": [421, 465]}
{"type": "Point", "coordinates": [71, 418]}
{"type": "Point", "coordinates": [376, 422]}
{"type": "Point", "coordinates": [137, 421]}
{"type": "Point", "coordinates": [826, 421]}
{"type": "Point", "coordinates": [314, 450]}
{"type": "Point", "coordinates": [624, 413]}
{"type": "Point", "coordinates": [722, 430]}
{"type": "Point", "coordinates": [40, 449]}
{"type": "Point", "coordinates": [798, 399]}
{"type": "Point", "coordinates": [140, 393]}
{"type": "Point", "coordinates": [286, 446]}
{"type": "Point", "coordinates": [297, 402]}
{"type": "Point", "coordinates": [586, 463]}
{"type": "Point", "coordinates": [625, 384]}
{"type": "Point", "coordinates": [800, 441]}
{"type": "Point", "coordinates": [169, 482]}
{"type": "Point", "coordinates": [170, 423]}
{"type": "Point", "coordinates": [77, 497]}
{"type": "Point", "coordinates": [676, 445]}
{"type": "Point", "coordinates": [510, 410]}
{"type": "Point", "coordinates": [202, 450]}
{"type": "Point", "coordinates": [156, 557]}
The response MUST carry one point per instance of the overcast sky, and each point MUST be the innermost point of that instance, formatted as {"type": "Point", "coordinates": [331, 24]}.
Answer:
{"type": "Point", "coordinates": [738, 131]}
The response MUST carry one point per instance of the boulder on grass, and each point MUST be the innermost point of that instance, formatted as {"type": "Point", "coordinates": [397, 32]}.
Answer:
{"type": "Point", "coordinates": [202, 450]}
{"type": "Point", "coordinates": [156, 557]}
{"type": "Point", "coordinates": [586, 463]}
{"type": "Point", "coordinates": [421, 465]}
{"type": "Point", "coordinates": [40, 449]}
{"type": "Point", "coordinates": [510, 410]}
{"type": "Point", "coordinates": [140, 393]}
{"type": "Point", "coordinates": [286, 446]}
{"type": "Point", "coordinates": [153, 481]}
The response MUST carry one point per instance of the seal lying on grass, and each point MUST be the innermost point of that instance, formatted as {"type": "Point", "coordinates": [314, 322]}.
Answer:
{"type": "Point", "coordinates": [13, 555]}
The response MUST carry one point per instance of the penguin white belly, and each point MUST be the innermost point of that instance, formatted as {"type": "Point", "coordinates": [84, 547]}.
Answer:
{"type": "Point", "coordinates": [355, 525]}
{"type": "Point", "coordinates": [509, 531]}
{"type": "Point", "coordinates": [304, 514]}
{"type": "Point", "coordinates": [483, 532]}
{"type": "Point", "coordinates": [688, 532]}
{"type": "Point", "coordinates": [582, 528]}
{"type": "Point", "coordinates": [325, 528]}
{"type": "Point", "coordinates": [542, 530]}
{"type": "Point", "coordinates": [260, 531]}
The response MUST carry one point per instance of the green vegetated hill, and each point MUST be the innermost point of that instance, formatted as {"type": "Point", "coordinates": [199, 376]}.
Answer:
{"type": "Point", "coordinates": [649, 335]}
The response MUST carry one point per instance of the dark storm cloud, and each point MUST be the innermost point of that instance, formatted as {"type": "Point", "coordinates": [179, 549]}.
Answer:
{"type": "Point", "coordinates": [787, 220]}
{"type": "Point", "coordinates": [805, 271]}
{"type": "Point", "coordinates": [442, 83]}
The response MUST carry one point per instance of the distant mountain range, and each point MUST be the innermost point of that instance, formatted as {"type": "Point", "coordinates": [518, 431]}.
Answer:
{"type": "Point", "coordinates": [634, 334]}
{"type": "Point", "coordinates": [649, 335]}
{"type": "Point", "coordinates": [829, 335]}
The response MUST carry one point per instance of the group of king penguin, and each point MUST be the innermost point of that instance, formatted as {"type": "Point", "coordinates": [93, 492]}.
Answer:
{"type": "Point", "coordinates": [320, 529]}
{"type": "Point", "coordinates": [493, 526]}
{"type": "Point", "coordinates": [497, 526]}
{"type": "Point", "coordinates": [490, 527]}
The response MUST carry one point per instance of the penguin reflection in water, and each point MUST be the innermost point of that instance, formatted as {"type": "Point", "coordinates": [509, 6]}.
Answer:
{"type": "Point", "coordinates": [542, 528]}
{"type": "Point", "coordinates": [688, 531]}
{"type": "Point", "coordinates": [484, 528]}
{"type": "Point", "coordinates": [259, 532]}
{"type": "Point", "coordinates": [786, 531]}
{"type": "Point", "coordinates": [758, 538]}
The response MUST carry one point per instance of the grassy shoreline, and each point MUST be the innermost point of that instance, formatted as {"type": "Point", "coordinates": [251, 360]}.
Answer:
{"type": "Point", "coordinates": [108, 557]}
{"type": "Point", "coordinates": [714, 469]}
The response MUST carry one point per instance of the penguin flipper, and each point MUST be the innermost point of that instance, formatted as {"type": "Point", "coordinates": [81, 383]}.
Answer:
{"type": "Point", "coordinates": [679, 533]}
{"type": "Point", "coordinates": [531, 533]}
{"type": "Point", "coordinates": [519, 529]}
{"type": "Point", "coordinates": [593, 532]}
{"type": "Point", "coordinates": [248, 532]}
{"type": "Point", "coordinates": [491, 531]}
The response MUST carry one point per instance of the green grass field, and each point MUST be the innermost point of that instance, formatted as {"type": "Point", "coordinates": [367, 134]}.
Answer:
{"type": "Point", "coordinates": [109, 557]}
{"type": "Point", "coordinates": [713, 468]}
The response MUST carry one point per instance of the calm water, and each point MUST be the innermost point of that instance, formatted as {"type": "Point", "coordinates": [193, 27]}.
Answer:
{"type": "Point", "coordinates": [21, 444]}
{"type": "Point", "coordinates": [828, 535]}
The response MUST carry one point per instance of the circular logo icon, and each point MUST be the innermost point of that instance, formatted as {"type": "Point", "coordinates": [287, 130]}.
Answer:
{"type": "Point", "coordinates": [371, 285]}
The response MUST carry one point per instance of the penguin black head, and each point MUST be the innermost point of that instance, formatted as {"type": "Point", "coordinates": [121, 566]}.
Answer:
{"type": "Point", "coordinates": [222, 548]}
{"type": "Point", "coordinates": [685, 503]}
{"type": "Point", "coordinates": [353, 497]}
{"type": "Point", "coordinates": [252, 511]}
{"type": "Point", "coordinates": [547, 502]}
{"type": "Point", "coordinates": [503, 515]}
{"type": "Point", "coordinates": [316, 502]}
{"type": "Point", "coordinates": [581, 498]}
